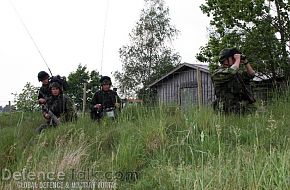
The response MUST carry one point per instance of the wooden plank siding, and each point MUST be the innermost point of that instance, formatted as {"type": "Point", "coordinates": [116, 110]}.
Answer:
{"type": "Point", "coordinates": [180, 87]}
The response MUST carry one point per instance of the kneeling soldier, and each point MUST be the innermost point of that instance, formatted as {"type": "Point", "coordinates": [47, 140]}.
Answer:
{"type": "Point", "coordinates": [59, 108]}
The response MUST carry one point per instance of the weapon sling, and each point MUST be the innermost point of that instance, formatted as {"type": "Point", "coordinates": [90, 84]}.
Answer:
{"type": "Point", "coordinates": [248, 94]}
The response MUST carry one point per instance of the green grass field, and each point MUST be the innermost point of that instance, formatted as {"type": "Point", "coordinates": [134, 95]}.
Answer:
{"type": "Point", "coordinates": [154, 148]}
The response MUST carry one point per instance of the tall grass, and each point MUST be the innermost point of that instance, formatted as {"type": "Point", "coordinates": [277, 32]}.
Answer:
{"type": "Point", "coordinates": [159, 148]}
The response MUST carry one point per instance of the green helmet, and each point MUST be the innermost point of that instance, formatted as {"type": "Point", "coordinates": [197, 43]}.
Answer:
{"type": "Point", "coordinates": [55, 85]}
{"type": "Point", "coordinates": [224, 54]}
{"type": "Point", "coordinates": [105, 80]}
{"type": "Point", "coordinates": [228, 52]}
{"type": "Point", "coordinates": [42, 75]}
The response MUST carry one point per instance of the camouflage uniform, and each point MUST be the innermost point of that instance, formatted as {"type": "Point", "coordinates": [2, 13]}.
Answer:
{"type": "Point", "coordinates": [62, 107]}
{"type": "Point", "coordinates": [44, 92]}
{"type": "Point", "coordinates": [107, 99]}
{"type": "Point", "coordinates": [229, 92]}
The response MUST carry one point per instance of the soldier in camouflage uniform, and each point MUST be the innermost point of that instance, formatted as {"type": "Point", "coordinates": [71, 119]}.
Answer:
{"type": "Point", "coordinates": [44, 91]}
{"type": "Point", "coordinates": [232, 83]}
{"type": "Point", "coordinates": [60, 105]}
{"type": "Point", "coordinates": [104, 98]}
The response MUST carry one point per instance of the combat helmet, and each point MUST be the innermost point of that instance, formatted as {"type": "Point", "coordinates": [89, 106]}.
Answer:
{"type": "Point", "coordinates": [55, 85]}
{"type": "Point", "coordinates": [228, 52]}
{"type": "Point", "coordinates": [42, 75]}
{"type": "Point", "coordinates": [105, 80]}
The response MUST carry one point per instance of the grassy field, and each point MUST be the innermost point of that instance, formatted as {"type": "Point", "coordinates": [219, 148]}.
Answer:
{"type": "Point", "coordinates": [154, 148]}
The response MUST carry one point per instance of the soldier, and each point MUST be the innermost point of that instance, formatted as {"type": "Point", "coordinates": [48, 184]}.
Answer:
{"type": "Point", "coordinates": [44, 91]}
{"type": "Point", "coordinates": [232, 83]}
{"type": "Point", "coordinates": [59, 108]}
{"type": "Point", "coordinates": [104, 99]}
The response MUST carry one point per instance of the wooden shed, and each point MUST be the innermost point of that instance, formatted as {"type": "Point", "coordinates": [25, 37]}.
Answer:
{"type": "Point", "coordinates": [186, 85]}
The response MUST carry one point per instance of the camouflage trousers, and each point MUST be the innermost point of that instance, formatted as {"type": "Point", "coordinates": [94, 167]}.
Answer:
{"type": "Point", "coordinates": [238, 107]}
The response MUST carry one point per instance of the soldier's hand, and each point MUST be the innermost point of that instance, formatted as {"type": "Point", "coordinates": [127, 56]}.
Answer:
{"type": "Point", "coordinates": [46, 115]}
{"type": "Point", "coordinates": [41, 100]}
{"type": "Point", "coordinates": [98, 106]}
{"type": "Point", "coordinates": [117, 105]}
{"type": "Point", "coordinates": [237, 56]}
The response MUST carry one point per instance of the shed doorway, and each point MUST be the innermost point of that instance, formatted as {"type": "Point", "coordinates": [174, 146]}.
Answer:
{"type": "Point", "coordinates": [188, 97]}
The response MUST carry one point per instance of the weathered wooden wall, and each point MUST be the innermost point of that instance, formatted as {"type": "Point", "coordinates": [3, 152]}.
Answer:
{"type": "Point", "coordinates": [181, 88]}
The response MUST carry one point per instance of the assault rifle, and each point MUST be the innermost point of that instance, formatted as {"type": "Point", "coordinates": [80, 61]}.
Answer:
{"type": "Point", "coordinates": [53, 119]}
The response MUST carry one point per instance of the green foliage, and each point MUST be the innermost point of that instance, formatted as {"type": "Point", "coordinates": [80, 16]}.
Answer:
{"type": "Point", "coordinates": [260, 29]}
{"type": "Point", "coordinates": [158, 148]}
{"type": "Point", "coordinates": [27, 99]}
{"type": "Point", "coordinates": [148, 56]}
{"type": "Point", "coordinates": [94, 84]}
{"type": "Point", "coordinates": [17, 132]}
{"type": "Point", "coordinates": [76, 82]}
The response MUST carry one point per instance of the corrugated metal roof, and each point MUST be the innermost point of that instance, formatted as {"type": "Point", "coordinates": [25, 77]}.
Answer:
{"type": "Point", "coordinates": [203, 68]}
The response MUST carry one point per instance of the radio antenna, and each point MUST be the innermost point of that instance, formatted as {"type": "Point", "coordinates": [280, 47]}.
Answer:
{"type": "Point", "coordinates": [28, 32]}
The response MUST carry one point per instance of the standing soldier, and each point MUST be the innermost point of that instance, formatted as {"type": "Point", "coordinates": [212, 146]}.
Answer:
{"type": "Point", "coordinates": [232, 83]}
{"type": "Point", "coordinates": [104, 100]}
{"type": "Point", "coordinates": [44, 91]}
{"type": "Point", "coordinates": [59, 108]}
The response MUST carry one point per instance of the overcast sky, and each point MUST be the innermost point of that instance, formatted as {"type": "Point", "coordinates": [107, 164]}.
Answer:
{"type": "Point", "coordinates": [70, 32]}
